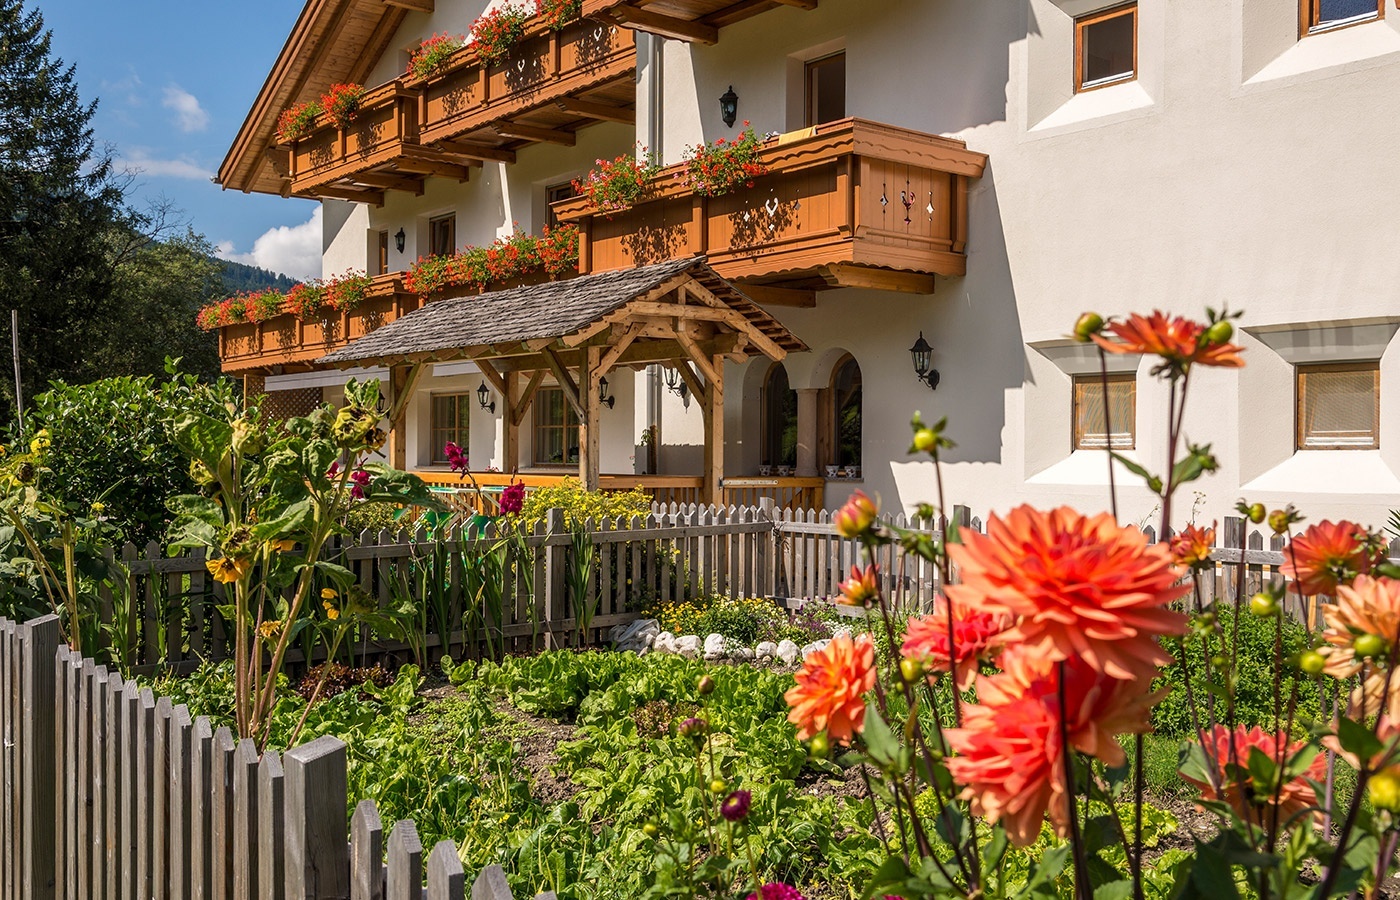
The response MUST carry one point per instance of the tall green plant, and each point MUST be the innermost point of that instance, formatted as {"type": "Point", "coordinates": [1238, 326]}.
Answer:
{"type": "Point", "coordinates": [579, 574]}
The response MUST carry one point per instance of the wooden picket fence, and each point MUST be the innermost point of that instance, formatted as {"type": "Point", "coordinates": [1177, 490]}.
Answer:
{"type": "Point", "coordinates": [112, 793]}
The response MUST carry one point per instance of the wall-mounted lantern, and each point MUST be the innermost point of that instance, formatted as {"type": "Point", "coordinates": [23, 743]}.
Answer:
{"type": "Point", "coordinates": [729, 107]}
{"type": "Point", "coordinates": [603, 397]}
{"type": "Point", "coordinates": [922, 355]}
{"type": "Point", "coordinates": [483, 394]}
{"type": "Point", "coordinates": [675, 384]}
{"type": "Point", "coordinates": [399, 240]}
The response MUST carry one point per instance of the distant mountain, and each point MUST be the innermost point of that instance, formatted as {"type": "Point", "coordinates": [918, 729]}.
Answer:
{"type": "Point", "coordinates": [241, 277]}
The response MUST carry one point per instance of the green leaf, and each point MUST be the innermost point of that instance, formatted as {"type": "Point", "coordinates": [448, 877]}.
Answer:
{"type": "Point", "coordinates": [879, 740]}
{"type": "Point", "coordinates": [1114, 890]}
{"type": "Point", "coordinates": [1052, 863]}
{"type": "Point", "coordinates": [205, 438]}
{"type": "Point", "coordinates": [1153, 482]}
{"type": "Point", "coordinates": [1357, 739]}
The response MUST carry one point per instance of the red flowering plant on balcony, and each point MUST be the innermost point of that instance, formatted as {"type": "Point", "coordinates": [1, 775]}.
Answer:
{"type": "Point", "coordinates": [554, 252]}
{"type": "Point", "coordinates": [555, 14]}
{"type": "Point", "coordinates": [342, 102]}
{"type": "Point", "coordinates": [433, 53]}
{"type": "Point", "coordinates": [347, 290]}
{"type": "Point", "coordinates": [718, 168]}
{"type": "Point", "coordinates": [307, 301]}
{"type": "Point", "coordinates": [207, 319]}
{"type": "Point", "coordinates": [617, 184]}
{"type": "Point", "coordinates": [497, 32]}
{"type": "Point", "coordinates": [259, 306]}
{"type": "Point", "coordinates": [297, 120]}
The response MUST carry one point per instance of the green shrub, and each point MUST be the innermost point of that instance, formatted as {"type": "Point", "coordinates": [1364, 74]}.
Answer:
{"type": "Point", "coordinates": [580, 505]}
{"type": "Point", "coordinates": [747, 620]}
{"type": "Point", "coordinates": [374, 517]}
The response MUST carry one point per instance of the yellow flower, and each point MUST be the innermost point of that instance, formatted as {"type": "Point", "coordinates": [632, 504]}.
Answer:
{"type": "Point", "coordinates": [331, 612]}
{"type": "Point", "coordinates": [269, 630]}
{"type": "Point", "coordinates": [283, 546]}
{"type": "Point", "coordinates": [328, 594]}
{"type": "Point", "coordinates": [227, 569]}
{"type": "Point", "coordinates": [98, 507]}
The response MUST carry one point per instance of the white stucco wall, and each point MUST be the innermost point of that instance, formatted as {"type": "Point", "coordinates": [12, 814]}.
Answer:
{"type": "Point", "coordinates": [1243, 167]}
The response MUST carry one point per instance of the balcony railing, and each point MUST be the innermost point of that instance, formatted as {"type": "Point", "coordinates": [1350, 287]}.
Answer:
{"type": "Point", "coordinates": [552, 84]}
{"type": "Point", "coordinates": [787, 493]}
{"type": "Point", "coordinates": [850, 203]}
{"type": "Point", "coordinates": [285, 339]}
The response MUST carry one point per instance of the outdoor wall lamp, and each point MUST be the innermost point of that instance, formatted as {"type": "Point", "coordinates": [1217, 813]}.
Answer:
{"type": "Point", "coordinates": [399, 240]}
{"type": "Point", "coordinates": [729, 107]}
{"type": "Point", "coordinates": [483, 394]}
{"type": "Point", "coordinates": [603, 397]}
{"type": "Point", "coordinates": [923, 362]}
{"type": "Point", "coordinates": [675, 384]}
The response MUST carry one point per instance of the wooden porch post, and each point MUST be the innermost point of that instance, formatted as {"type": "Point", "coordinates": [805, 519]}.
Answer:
{"type": "Point", "coordinates": [398, 429]}
{"type": "Point", "coordinates": [510, 424]}
{"type": "Point", "coordinates": [714, 432]}
{"type": "Point", "coordinates": [807, 432]}
{"type": "Point", "coordinates": [589, 445]}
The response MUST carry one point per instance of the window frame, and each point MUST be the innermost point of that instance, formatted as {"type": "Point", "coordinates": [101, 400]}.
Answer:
{"type": "Point", "coordinates": [449, 219]}
{"type": "Point", "coordinates": [538, 406]}
{"type": "Point", "coordinates": [1310, 15]}
{"type": "Point", "coordinates": [1082, 383]}
{"type": "Point", "coordinates": [382, 246]}
{"type": "Point", "coordinates": [554, 193]}
{"type": "Point", "coordinates": [769, 454]}
{"type": "Point", "coordinates": [809, 97]}
{"type": "Point", "coordinates": [1084, 22]}
{"type": "Point", "coordinates": [464, 398]}
{"type": "Point", "coordinates": [833, 423]}
{"type": "Point", "coordinates": [1300, 373]}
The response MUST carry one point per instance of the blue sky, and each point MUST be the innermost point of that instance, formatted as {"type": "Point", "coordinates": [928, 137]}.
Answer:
{"type": "Point", "coordinates": [174, 81]}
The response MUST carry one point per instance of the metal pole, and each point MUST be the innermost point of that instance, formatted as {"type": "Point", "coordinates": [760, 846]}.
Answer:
{"type": "Point", "coordinates": [14, 349]}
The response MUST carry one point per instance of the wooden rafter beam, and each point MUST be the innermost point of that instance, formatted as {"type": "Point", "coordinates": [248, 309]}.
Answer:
{"type": "Point", "coordinates": [643, 351]}
{"type": "Point", "coordinates": [354, 196]}
{"type": "Point", "coordinates": [691, 380]}
{"type": "Point", "coordinates": [621, 342]}
{"type": "Point", "coordinates": [743, 9]}
{"type": "Point", "coordinates": [566, 381]}
{"type": "Point", "coordinates": [430, 162]}
{"type": "Point", "coordinates": [535, 133]}
{"type": "Point", "coordinates": [766, 345]}
{"type": "Point", "coordinates": [601, 111]}
{"type": "Point", "coordinates": [476, 152]}
{"type": "Point", "coordinates": [527, 397]}
{"type": "Point", "coordinates": [389, 182]}
{"type": "Point", "coordinates": [854, 276]}
{"type": "Point", "coordinates": [663, 25]}
{"type": "Point", "coordinates": [415, 5]}
{"type": "Point", "coordinates": [404, 392]}
{"type": "Point", "coordinates": [769, 295]}
{"type": "Point", "coordinates": [697, 356]}
{"type": "Point", "coordinates": [489, 372]}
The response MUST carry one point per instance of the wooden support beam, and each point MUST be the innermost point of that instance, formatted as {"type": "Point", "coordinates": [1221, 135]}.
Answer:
{"type": "Point", "coordinates": [768, 295]}
{"type": "Point", "coordinates": [714, 434]}
{"type": "Point", "coordinates": [416, 5]}
{"type": "Point", "coordinates": [402, 380]}
{"type": "Point", "coordinates": [702, 363]}
{"type": "Point", "coordinates": [389, 182]}
{"type": "Point", "coordinates": [621, 341]}
{"type": "Point", "coordinates": [354, 196]}
{"type": "Point", "coordinates": [527, 397]}
{"type": "Point", "coordinates": [691, 380]}
{"type": "Point", "coordinates": [510, 424]}
{"type": "Point", "coordinates": [663, 25]}
{"type": "Point", "coordinates": [535, 133]}
{"type": "Point", "coordinates": [432, 164]}
{"type": "Point", "coordinates": [743, 9]}
{"type": "Point", "coordinates": [766, 345]}
{"type": "Point", "coordinates": [601, 111]}
{"type": "Point", "coordinates": [566, 381]}
{"type": "Point", "coordinates": [853, 276]}
{"type": "Point", "coordinates": [642, 352]}
{"type": "Point", "coordinates": [489, 372]}
{"type": "Point", "coordinates": [475, 151]}
{"type": "Point", "coordinates": [591, 423]}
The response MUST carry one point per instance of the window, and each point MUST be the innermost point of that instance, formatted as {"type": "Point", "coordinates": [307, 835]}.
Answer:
{"type": "Point", "coordinates": [1089, 431]}
{"type": "Point", "coordinates": [451, 422]}
{"type": "Point", "coordinates": [442, 235]}
{"type": "Point", "coordinates": [846, 413]}
{"type": "Point", "coordinates": [383, 253]}
{"type": "Point", "coordinates": [1339, 407]}
{"type": "Point", "coordinates": [1321, 15]}
{"type": "Point", "coordinates": [826, 89]}
{"type": "Point", "coordinates": [553, 194]}
{"type": "Point", "coordinates": [1105, 48]}
{"type": "Point", "coordinates": [779, 419]}
{"type": "Point", "coordinates": [556, 429]}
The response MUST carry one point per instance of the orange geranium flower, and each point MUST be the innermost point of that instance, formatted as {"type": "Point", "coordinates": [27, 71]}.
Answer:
{"type": "Point", "coordinates": [1010, 751]}
{"type": "Point", "coordinates": [1179, 341]}
{"type": "Point", "coordinates": [975, 633]}
{"type": "Point", "coordinates": [1192, 546]}
{"type": "Point", "coordinates": [1369, 606]}
{"type": "Point", "coordinates": [830, 691]}
{"type": "Point", "coordinates": [1295, 796]}
{"type": "Point", "coordinates": [1077, 586]}
{"type": "Point", "coordinates": [1329, 554]}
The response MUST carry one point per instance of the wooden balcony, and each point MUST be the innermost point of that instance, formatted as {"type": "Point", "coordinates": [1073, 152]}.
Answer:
{"type": "Point", "coordinates": [552, 85]}
{"type": "Point", "coordinates": [847, 204]}
{"type": "Point", "coordinates": [695, 21]}
{"type": "Point", "coordinates": [286, 340]}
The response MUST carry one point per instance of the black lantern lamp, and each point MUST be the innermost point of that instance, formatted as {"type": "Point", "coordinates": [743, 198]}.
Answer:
{"type": "Point", "coordinates": [483, 394]}
{"type": "Point", "coordinates": [923, 362]}
{"type": "Point", "coordinates": [729, 107]}
{"type": "Point", "coordinates": [603, 397]}
{"type": "Point", "coordinates": [675, 384]}
{"type": "Point", "coordinates": [399, 240]}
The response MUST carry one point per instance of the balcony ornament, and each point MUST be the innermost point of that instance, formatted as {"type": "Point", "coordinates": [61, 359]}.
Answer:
{"type": "Point", "coordinates": [675, 384]}
{"type": "Point", "coordinates": [729, 107]}
{"type": "Point", "coordinates": [923, 362]}
{"type": "Point", "coordinates": [603, 397]}
{"type": "Point", "coordinates": [906, 197]}
{"type": "Point", "coordinates": [399, 240]}
{"type": "Point", "coordinates": [483, 394]}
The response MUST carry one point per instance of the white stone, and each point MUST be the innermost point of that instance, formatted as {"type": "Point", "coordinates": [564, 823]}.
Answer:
{"type": "Point", "coordinates": [742, 653]}
{"type": "Point", "coordinates": [665, 642]}
{"type": "Point", "coordinates": [688, 645]}
{"type": "Point", "coordinates": [843, 631]}
{"type": "Point", "coordinates": [787, 651]}
{"type": "Point", "coordinates": [814, 647]}
{"type": "Point", "coordinates": [714, 646]}
{"type": "Point", "coordinates": [766, 650]}
{"type": "Point", "coordinates": [636, 636]}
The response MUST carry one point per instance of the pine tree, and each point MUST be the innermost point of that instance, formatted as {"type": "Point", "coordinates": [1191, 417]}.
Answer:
{"type": "Point", "coordinates": [60, 204]}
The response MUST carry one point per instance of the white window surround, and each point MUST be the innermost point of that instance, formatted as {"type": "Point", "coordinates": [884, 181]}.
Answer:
{"type": "Point", "coordinates": [1053, 404]}
{"type": "Point", "coordinates": [1332, 52]}
{"type": "Point", "coordinates": [1348, 340]}
{"type": "Point", "coordinates": [1075, 358]}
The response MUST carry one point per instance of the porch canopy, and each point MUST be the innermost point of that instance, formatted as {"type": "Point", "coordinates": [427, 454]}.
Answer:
{"type": "Point", "coordinates": [677, 313]}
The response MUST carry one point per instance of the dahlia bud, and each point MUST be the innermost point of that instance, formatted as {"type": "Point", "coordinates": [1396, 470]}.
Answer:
{"type": "Point", "coordinates": [1220, 332]}
{"type": "Point", "coordinates": [694, 728]}
{"type": "Point", "coordinates": [1311, 663]}
{"type": "Point", "coordinates": [1086, 326]}
{"type": "Point", "coordinates": [819, 746]}
{"type": "Point", "coordinates": [1263, 605]}
{"type": "Point", "coordinates": [1257, 513]}
{"type": "Point", "coordinates": [718, 786]}
{"type": "Point", "coordinates": [1368, 645]}
{"type": "Point", "coordinates": [1384, 790]}
{"type": "Point", "coordinates": [925, 440]}
{"type": "Point", "coordinates": [706, 686]}
{"type": "Point", "coordinates": [911, 670]}
{"type": "Point", "coordinates": [735, 807]}
{"type": "Point", "coordinates": [855, 518]}
{"type": "Point", "coordinates": [650, 830]}
{"type": "Point", "coordinates": [862, 588]}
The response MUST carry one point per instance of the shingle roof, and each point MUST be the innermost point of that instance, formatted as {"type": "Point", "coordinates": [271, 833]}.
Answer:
{"type": "Point", "coordinates": [534, 312]}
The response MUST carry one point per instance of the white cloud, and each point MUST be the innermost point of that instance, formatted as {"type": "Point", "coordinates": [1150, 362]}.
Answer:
{"type": "Point", "coordinates": [140, 162]}
{"type": "Point", "coordinates": [189, 115]}
{"type": "Point", "coordinates": [293, 250]}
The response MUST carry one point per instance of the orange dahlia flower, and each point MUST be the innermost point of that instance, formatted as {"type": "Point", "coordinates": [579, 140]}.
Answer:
{"type": "Point", "coordinates": [1191, 547]}
{"type": "Point", "coordinates": [1010, 751]}
{"type": "Point", "coordinates": [1296, 795]}
{"type": "Point", "coordinates": [1329, 554]}
{"type": "Point", "coordinates": [862, 587]}
{"type": "Point", "coordinates": [1179, 341]}
{"type": "Point", "coordinates": [856, 517]}
{"type": "Point", "coordinates": [1076, 585]}
{"type": "Point", "coordinates": [830, 691]}
{"type": "Point", "coordinates": [1369, 606]}
{"type": "Point", "coordinates": [975, 633]}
